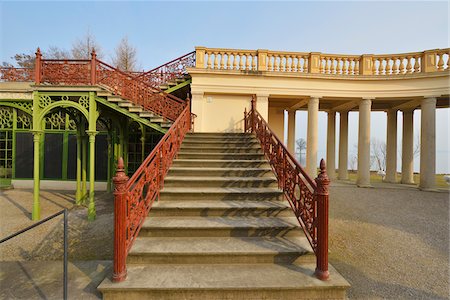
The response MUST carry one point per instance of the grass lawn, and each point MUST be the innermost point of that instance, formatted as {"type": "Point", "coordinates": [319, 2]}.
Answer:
{"type": "Point", "coordinates": [440, 182]}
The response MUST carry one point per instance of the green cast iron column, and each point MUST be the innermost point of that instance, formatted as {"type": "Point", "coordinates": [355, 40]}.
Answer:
{"type": "Point", "coordinates": [108, 178]}
{"type": "Point", "coordinates": [91, 206]}
{"type": "Point", "coordinates": [83, 167]}
{"type": "Point", "coordinates": [142, 143]}
{"type": "Point", "coordinates": [36, 214]}
{"type": "Point", "coordinates": [79, 193]}
{"type": "Point", "coordinates": [92, 131]}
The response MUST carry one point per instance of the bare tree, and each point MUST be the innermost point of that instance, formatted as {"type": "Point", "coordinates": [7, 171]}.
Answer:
{"type": "Point", "coordinates": [300, 146]}
{"type": "Point", "coordinates": [54, 52]}
{"type": "Point", "coordinates": [125, 56]}
{"type": "Point", "coordinates": [25, 60]}
{"type": "Point", "coordinates": [378, 153]}
{"type": "Point", "coordinates": [82, 47]}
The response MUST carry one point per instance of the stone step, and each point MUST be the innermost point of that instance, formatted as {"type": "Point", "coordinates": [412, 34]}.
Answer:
{"type": "Point", "coordinates": [219, 134]}
{"type": "Point", "coordinates": [156, 119]}
{"type": "Point", "coordinates": [220, 250]}
{"type": "Point", "coordinates": [240, 172]}
{"type": "Point", "coordinates": [220, 227]}
{"type": "Point", "coordinates": [135, 109]}
{"type": "Point", "coordinates": [215, 163]}
{"type": "Point", "coordinates": [221, 149]}
{"type": "Point", "coordinates": [241, 182]}
{"type": "Point", "coordinates": [146, 114]}
{"type": "Point", "coordinates": [220, 140]}
{"type": "Point", "coordinates": [207, 208]}
{"type": "Point", "coordinates": [220, 193]}
{"type": "Point", "coordinates": [233, 281]}
{"type": "Point", "coordinates": [125, 104]}
{"type": "Point", "coordinates": [222, 156]}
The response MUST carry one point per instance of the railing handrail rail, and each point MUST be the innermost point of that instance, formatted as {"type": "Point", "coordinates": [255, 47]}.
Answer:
{"type": "Point", "coordinates": [156, 148]}
{"type": "Point", "coordinates": [32, 226]}
{"type": "Point", "coordinates": [65, 60]}
{"type": "Point", "coordinates": [292, 158]}
{"type": "Point", "coordinates": [155, 89]}
{"type": "Point", "coordinates": [165, 64]}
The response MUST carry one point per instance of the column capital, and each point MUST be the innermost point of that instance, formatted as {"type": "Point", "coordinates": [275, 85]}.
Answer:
{"type": "Point", "coordinates": [429, 100]}
{"type": "Point", "coordinates": [262, 95]}
{"type": "Point", "coordinates": [91, 133]}
{"type": "Point", "coordinates": [315, 97]}
{"type": "Point", "coordinates": [331, 112]}
{"type": "Point", "coordinates": [197, 93]}
{"type": "Point", "coordinates": [37, 132]}
{"type": "Point", "coordinates": [408, 110]}
{"type": "Point", "coordinates": [366, 101]}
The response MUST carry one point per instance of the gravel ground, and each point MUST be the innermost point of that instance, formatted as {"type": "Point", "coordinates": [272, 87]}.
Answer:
{"type": "Point", "coordinates": [87, 240]}
{"type": "Point", "coordinates": [387, 242]}
{"type": "Point", "coordinates": [390, 243]}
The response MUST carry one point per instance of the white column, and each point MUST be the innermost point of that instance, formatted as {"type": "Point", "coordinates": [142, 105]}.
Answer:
{"type": "Point", "coordinates": [262, 105]}
{"type": "Point", "coordinates": [391, 146]}
{"type": "Point", "coordinates": [311, 142]}
{"type": "Point", "coordinates": [407, 147]}
{"type": "Point", "coordinates": [331, 145]}
{"type": "Point", "coordinates": [428, 144]}
{"type": "Point", "coordinates": [197, 108]}
{"type": "Point", "coordinates": [363, 177]}
{"type": "Point", "coordinates": [343, 145]}
{"type": "Point", "coordinates": [291, 132]}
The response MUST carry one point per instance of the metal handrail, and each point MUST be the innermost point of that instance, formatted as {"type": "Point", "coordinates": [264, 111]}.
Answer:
{"type": "Point", "coordinates": [63, 212]}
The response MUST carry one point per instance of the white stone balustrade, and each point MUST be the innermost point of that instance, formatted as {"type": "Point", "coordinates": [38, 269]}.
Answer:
{"type": "Point", "coordinates": [321, 63]}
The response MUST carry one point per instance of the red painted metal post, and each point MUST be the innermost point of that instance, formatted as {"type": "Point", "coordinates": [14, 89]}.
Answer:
{"type": "Point", "coordinates": [120, 230]}
{"type": "Point", "coordinates": [253, 112]}
{"type": "Point", "coordinates": [37, 67]}
{"type": "Point", "coordinates": [322, 195]}
{"type": "Point", "coordinates": [93, 67]}
{"type": "Point", "coordinates": [245, 119]}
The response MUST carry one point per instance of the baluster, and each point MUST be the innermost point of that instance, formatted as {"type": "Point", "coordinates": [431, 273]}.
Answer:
{"type": "Point", "coordinates": [229, 58]}
{"type": "Point", "coordinates": [208, 64]}
{"type": "Point", "coordinates": [216, 60]}
{"type": "Point", "coordinates": [327, 65]}
{"type": "Point", "coordinates": [338, 65]}
{"type": "Point", "coordinates": [222, 61]}
{"type": "Point", "coordinates": [374, 66]}
{"type": "Point", "coordinates": [396, 66]}
{"type": "Point", "coordinates": [283, 63]}
{"type": "Point", "coordinates": [305, 64]}
{"type": "Point", "coordinates": [388, 66]}
{"type": "Point", "coordinates": [322, 65]}
{"type": "Point", "coordinates": [416, 64]}
{"type": "Point", "coordinates": [402, 65]}
{"type": "Point", "coordinates": [334, 62]}
{"type": "Point", "coordinates": [241, 61]}
{"type": "Point", "coordinates": [352, 70]}
{"type": "Point", "coordinates": [295, 63]}
{"type": "Point", "coordinates": [254, 62]}
{"type": "Point", "coordinates": [277, 63]}
{"type": "Point", "coordinates": [440, 65]}
{"type": "Point", "coordinates": [391, 66]}
{"type": "Point", "coordinates": [270, 63]}
{"type": "Point", "coordinates": [247, 62]}
{"type": "Point", "coordinates": [409, 68]}
{"type": "Point", "coordinates": [235, 61]}
{"type": "Point", "coordinates": [289, 63]}
{"type": "Point", "coordinates": [357, 66]}
{"type": "Point", "coordinates": [345, 66]}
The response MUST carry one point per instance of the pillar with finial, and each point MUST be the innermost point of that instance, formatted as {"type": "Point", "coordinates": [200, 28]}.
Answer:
{"type": "Point", "coordinates": [37, 67]}
{"type": "Point", "coordinates": [120, 215]}
{"type": "Point", "coordinates": [322, 198]}
{"type": "Point", "coordinates": [93, 67]}
{"type": "Point", "coordinates": [245, 119]}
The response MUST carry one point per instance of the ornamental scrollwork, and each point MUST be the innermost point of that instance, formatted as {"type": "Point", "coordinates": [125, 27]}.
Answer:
{"type": "Point", "coordinates": [6, 118]}
{"type": "Point", "coordinates": [55, 120]}
{"type": "Point", "coordinates": [84, 101]}
{"type": "Point", "coordinates": [44, 100]}
{"type": "Point", "coordinates": [24, 121]}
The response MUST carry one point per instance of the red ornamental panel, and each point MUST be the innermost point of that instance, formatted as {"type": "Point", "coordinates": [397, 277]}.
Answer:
{"type": "Point", "coordinates": [16, 74]}
{"type": "Point", "coordinates": [298, 187]}
{"type": "Point", "coordinates": [66, 72]}
{"type": "Point", "coordinates": [169, 71]}
{"type": "Point", "coordinates": [142, 189]}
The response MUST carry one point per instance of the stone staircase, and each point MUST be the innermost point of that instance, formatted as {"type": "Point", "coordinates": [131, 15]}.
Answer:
{"type": "Point", "coordinates": [222, 230]}
{"type": "Point", "coordinates": [132, 108]}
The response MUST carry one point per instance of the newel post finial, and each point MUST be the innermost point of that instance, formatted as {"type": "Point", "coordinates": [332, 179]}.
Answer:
{"type": "Point", "coordinates": [322, 198]}
{"type": "Point", "coordinates": [93, 67]}
{"type": "Point", "coordinates": [37, 66]}
{"type": "Point", "coordinates": [120, 215]}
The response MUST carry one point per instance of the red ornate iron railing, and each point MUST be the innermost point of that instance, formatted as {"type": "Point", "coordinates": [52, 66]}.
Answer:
{"type": "Point", "coordinates": [95, 72]}
{"type": "Point", "coordinates": [133, 198]}
{"type": "Point", "coordinates": [169, 71]}
{"type": "Point", "coordinates": [308, 198]}
{"type": "Point", "coordinates": [16, 74]}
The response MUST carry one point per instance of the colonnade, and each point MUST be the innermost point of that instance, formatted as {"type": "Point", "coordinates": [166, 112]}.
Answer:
{"type": "Point", "coordinates": [427, 142]}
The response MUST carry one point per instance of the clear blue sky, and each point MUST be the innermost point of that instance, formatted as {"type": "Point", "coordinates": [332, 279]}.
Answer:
{"type": "Point", "coordinates": [162, 31]}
